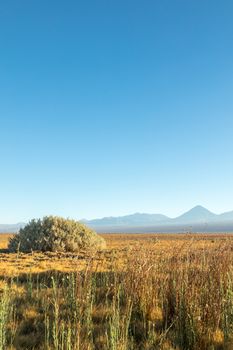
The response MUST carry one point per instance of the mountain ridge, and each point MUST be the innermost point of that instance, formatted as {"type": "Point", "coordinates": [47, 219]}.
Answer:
{"type": "Point", "coordinates": [197, 219]}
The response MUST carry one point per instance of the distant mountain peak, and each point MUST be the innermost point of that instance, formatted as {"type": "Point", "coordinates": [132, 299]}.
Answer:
{"type": "Point", "coordinates": [197, 207]}
{"type": "Point", "coordinates": [200, 208]}
{"type": "Point", "coordinates": [196, 215]}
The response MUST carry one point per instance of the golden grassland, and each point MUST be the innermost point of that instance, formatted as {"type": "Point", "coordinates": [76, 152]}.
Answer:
{"type": "Point", "coordinates": [144, 291]}
{"type": "Point", "coordinates": [119, 248]}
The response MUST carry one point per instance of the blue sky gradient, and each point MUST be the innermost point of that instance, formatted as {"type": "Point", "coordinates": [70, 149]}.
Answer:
{"type": "Point", "coordinates": [115, 107]}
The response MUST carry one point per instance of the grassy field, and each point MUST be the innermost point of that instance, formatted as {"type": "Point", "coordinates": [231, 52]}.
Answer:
{"type": "Point", "coordinates": [142, 292]}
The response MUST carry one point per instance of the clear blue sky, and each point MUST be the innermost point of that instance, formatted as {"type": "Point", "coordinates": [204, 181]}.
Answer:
{"type": "Point", "coordinates": [115, 107]}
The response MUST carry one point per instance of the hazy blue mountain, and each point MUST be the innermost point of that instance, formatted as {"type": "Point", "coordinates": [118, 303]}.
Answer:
{"type": "Point", "coordinates": [196, 215]}
{"type": "Point", "coordinates": [228, 216]}
{"type": "Point", "coordinates": [137, 219]}
{"type": "Point", "coordinates": [11, 228]}
{"type": "Point", "coordinates": [197, 219]}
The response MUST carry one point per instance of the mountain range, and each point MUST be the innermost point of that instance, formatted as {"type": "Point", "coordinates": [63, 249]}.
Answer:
{"type": "Point", "coordinates": [11, 228]}
{"type": "Point", "coordinates": [197, 219]}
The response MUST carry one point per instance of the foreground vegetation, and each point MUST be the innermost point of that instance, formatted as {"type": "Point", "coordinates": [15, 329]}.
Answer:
{"type": "Point", "coordinates": [142, 292]}
{"type": "Point", "coordinates": [55, 234]}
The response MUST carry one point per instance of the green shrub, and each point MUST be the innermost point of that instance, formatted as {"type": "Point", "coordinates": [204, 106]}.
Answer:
{"type": "Point", "coordinates": [53, 234]}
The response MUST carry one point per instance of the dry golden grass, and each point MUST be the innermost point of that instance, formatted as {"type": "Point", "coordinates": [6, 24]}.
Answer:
{"type": "Point", "coordinates": [144, 291]}
{"type": "Point", "coordinates": [119, 248]}
{"type": "Point", "coordinates": [4, 238]}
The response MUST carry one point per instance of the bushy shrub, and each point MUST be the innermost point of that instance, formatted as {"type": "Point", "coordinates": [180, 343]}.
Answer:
{"type": "Point", "coordinates": [55, 234]}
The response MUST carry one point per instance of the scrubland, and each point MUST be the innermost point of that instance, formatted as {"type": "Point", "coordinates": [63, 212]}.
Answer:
{"type": "Point", "coordinates": [141, 292]}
